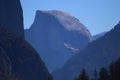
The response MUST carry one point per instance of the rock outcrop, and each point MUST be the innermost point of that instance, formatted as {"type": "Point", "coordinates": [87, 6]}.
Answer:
{"type": "Point", "coordinates": [11, 16]}
{"type": "Point", "coordinates": [57, 36]}
{"type": "Point", "coordinates": [20, 59]}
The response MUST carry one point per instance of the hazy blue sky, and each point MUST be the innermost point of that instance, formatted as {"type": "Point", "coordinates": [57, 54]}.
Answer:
{"type": "Point", "coordinates": [96, 15]}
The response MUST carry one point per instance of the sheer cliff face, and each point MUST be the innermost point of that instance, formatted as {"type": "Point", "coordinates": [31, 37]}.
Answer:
{"type": "Point", "coordinates": [18, 58]}
{"type": "Point", "coordinates": [57, 35]}
{"type": "Point", "coordinates": [11, 16]}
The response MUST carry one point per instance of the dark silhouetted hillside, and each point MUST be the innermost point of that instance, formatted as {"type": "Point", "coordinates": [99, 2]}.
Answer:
{"type": "Point", "coordinates": [11, 16]}
{"type": "Point", "coordinates": [99, 53]}
{"type": "Point", "coordinates": [19, 58]}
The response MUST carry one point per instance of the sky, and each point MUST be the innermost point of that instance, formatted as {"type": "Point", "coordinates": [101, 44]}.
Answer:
{"type": "Point", "coordinates": [97, 15]}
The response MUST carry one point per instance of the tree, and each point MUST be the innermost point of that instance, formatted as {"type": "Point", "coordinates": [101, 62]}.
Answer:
{"type": "Point", "coordinates": [103, 74]}
{"type": "Point", "coordinates": [115, 70]}
{"type": "Point", "coordinates": [49, 78]}
{"type": "Point", "coordinates": [95, 74]}
{"type": "Point", "coordinates": [83, 75]}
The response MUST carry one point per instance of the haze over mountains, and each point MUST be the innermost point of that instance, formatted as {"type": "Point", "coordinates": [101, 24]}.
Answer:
{"type": "Point", "coordinates": [57, 36]}
{"type": "Point", "coordinates": [63, 42]}
{"type": "Point", "coordinates": [99, 53]}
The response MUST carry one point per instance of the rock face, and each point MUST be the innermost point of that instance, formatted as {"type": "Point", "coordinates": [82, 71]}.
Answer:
{"type": "Point", "coordinates": [17, 57]}
{"type": "Point", "coordinates": [20, 59]}
{"type": "Point", "coordinates": [11, 16]}
{"type": "Point", "coordinates": [99, 53]}
{"type": "Point", "coordinates": [5, 65]}
{"type": "Point", "coordinates": [57, 35]}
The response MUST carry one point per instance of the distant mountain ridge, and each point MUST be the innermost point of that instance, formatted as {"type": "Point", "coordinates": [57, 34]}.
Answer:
{"type": "Point", "coordinates": [99, 53]}
{"type": "Point", "coordinates": [55, 35]}
{"type": "Point", "coordinates": [97, 36]}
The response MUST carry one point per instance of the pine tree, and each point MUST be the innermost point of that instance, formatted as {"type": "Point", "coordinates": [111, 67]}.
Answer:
{"type": "Point", "coordinates": [83, 75]}
{"type": "Point", "coordinates": [115, 70]}
{"type": "Point", "coordinates": [95, 74]}
{"type": "Point", "coordinates": [103, 74]}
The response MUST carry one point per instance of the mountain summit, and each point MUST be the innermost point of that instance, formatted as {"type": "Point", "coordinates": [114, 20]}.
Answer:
{"type": "Point", "coordinates": [57, 35]}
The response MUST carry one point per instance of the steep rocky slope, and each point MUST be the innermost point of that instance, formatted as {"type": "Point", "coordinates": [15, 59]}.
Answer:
{"type": "Point", "coordinates": [20, 59]}
{"type": "Point", "coordinates": [57, 35]}
{"type": "Point", "coordinates": [11, 16]}
{"type": "Point", "coordinates": [99, 53]}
